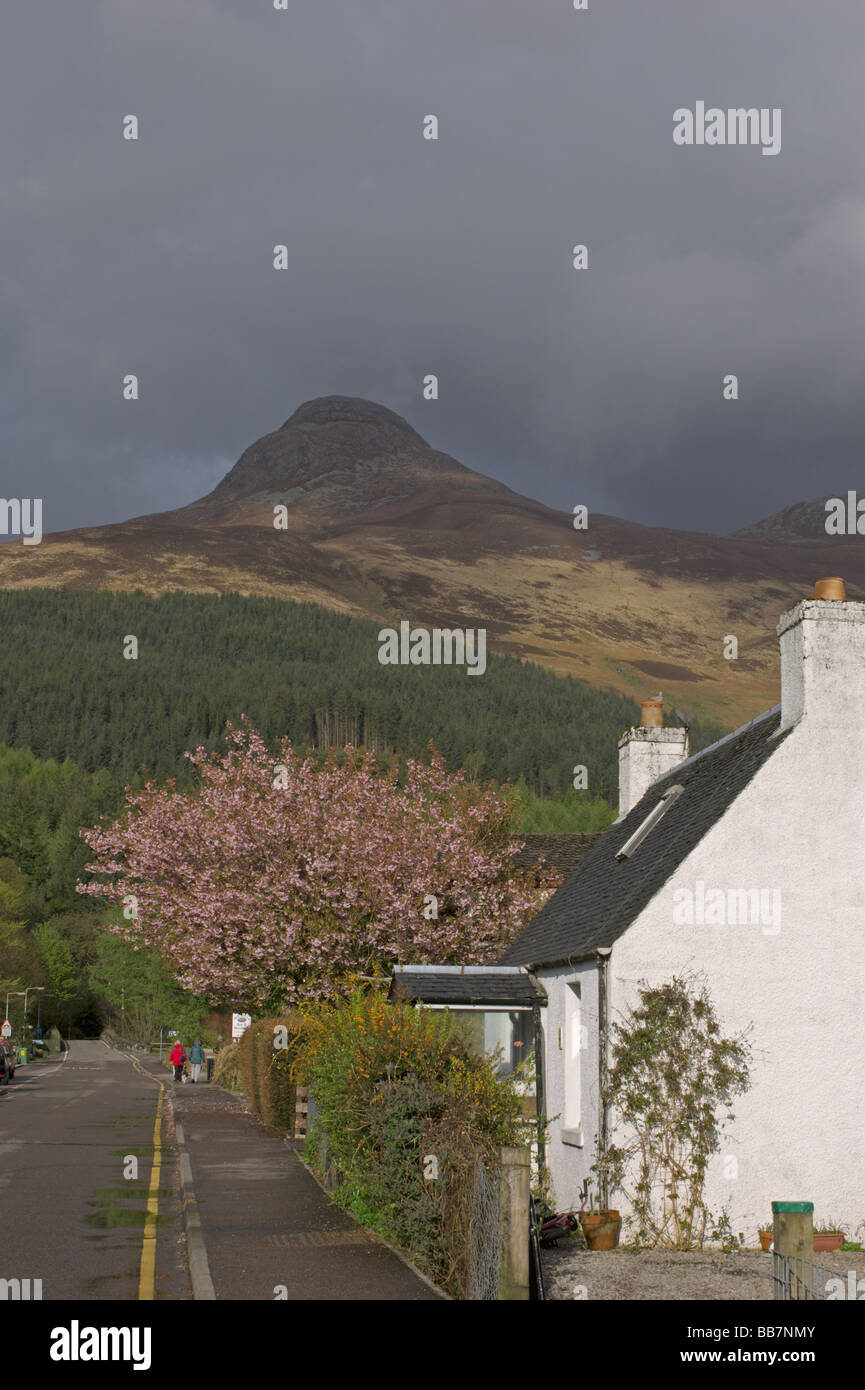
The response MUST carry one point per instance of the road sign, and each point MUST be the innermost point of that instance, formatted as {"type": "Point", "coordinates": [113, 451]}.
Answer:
{"type": "Point", "coordinates": [239, 1024]}
{"type": "Point", "coordinates": [6, 1030]}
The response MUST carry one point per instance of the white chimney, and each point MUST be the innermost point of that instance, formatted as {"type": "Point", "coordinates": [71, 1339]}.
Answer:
{"type": "Point", "coordinates": [646, 753]}
{"type": "Point", "coordinates": [823, 658]}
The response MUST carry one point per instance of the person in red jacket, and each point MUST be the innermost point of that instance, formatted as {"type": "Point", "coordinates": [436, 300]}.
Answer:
{"type": "Point", "coordinates": [177, 1057]}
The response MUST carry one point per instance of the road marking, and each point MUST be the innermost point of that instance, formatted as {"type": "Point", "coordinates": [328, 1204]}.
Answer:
{"type": "Point", "coordinates": [147, 1272]}
{"type": "Point", "coordinates": [148, 1247]}
{"type": "Point", "coordinates": [199, 1269]}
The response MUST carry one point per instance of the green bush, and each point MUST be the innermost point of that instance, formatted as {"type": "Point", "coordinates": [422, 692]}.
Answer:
{"type": "Point", "coordinates": [396, 1087]}
{"type": "Point", "coordinates": [248, 1067]}
{"type": "Point", "coordinates": [277, 1091]}
{"type": "Point", "coordinates": [226, 1069]}
{"type": "Point", "coordinates": [265, 1076]}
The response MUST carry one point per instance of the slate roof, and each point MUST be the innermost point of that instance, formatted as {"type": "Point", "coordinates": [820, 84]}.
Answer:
{"type": "Point", "coordinates": [600, 899]}
{"type": "Point", "coordinates": [563, 850]}
{"type": "Point", "coordinates": [469, 984]}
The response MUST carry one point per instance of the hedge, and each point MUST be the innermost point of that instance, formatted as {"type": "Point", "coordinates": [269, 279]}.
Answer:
{"type": "Point", "coordinates": [264, 1071]}
{"type": "Point", "coordinates": [406, 1111]}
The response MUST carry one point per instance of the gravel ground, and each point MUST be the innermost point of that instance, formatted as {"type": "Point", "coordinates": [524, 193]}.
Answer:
{"type": "Point", "coordinates": [671, 1274]}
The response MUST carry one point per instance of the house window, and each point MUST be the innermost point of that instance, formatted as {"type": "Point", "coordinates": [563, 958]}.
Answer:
{"type": "Point", "coordinates": [510, 1032]}
{"type": "Point", "coordinates": [574, 1048]}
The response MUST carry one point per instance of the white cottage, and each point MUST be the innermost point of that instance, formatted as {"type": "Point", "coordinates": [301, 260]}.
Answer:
{"type": "Point", "coordinates": [745, 863]}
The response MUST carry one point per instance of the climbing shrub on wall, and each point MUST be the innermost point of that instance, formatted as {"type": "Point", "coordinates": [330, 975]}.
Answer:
{"type": "Point", "coordinates": [672, 1081]}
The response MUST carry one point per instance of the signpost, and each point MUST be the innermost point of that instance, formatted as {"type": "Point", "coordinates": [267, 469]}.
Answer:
{"type": "Point", "coordinates": [6, 1030]}
{"type": "Point", "coordinates": [239, 1024]}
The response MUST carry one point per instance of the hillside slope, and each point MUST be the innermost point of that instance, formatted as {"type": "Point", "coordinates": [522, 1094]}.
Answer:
{"type": "Point", "coordinates": [381, 525]}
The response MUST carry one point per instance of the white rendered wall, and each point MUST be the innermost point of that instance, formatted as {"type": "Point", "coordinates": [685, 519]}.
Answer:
{"type": "Point", "coordinates": [569, 1163]}
{"type": "Point", "coordinates": [799, 1133]}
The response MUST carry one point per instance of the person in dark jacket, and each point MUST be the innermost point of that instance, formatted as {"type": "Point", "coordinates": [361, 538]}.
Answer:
{"type": "Point", "coordinates": [177, 1059]}
{"type": "Point", "coordinates": [196, 1059]}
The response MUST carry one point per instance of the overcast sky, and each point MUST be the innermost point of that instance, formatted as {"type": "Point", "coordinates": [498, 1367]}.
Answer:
{"type": "Point", "coordinates": [452, 257]}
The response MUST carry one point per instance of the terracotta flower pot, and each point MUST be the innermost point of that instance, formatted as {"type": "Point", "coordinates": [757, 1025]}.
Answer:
{"type": "Point", "coordinates": [601, 1229]}
{"type": "Point", "coordinates": [766, 1238]}
{"type": "Point", "coordinates": [828, 1240]}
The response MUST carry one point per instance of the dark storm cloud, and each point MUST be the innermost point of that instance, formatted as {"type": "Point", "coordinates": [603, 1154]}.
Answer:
{"type": "Point", "coordinates": [409, 257]}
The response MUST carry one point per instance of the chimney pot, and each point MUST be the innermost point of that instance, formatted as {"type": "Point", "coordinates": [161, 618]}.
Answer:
{"type": "Point", "coordinates": [652, 714]}
{"type": "Point", "coordinates": [830, 589]}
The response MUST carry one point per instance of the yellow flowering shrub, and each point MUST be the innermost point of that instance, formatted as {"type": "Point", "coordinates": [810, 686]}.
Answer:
{"type": "Point", "coordinates": [400, 1094]}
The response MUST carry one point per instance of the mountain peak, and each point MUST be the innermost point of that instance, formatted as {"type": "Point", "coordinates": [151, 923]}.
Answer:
{"type": "Point", "coordinates": [338, 456]}
{"type": "Point", "coordinates": [353, 410]}
{"type": "Point", "coordinates": [341, 440]}
{"type": "Point", "coordinates": [801, 521]}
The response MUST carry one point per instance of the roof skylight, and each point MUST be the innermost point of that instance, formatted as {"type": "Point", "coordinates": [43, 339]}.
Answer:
{"type": "Point", "coordinates": [650, 822]}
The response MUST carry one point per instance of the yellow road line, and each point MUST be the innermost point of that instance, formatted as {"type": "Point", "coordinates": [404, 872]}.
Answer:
{"type": "Point", "coordinates": [147, 1275]}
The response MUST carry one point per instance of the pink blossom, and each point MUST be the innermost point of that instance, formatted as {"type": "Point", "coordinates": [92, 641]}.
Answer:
{"type": "Point", "coordinates": [258, 895]}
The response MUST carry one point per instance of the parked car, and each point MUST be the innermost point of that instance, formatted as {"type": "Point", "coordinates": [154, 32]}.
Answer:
{"type": "Point", "coordinates": [10, 1059]}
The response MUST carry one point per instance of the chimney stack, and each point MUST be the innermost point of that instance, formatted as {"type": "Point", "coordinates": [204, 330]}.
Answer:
{"type": "Point", "coordinates": [823, 658]}
{"type": "Point", "coordinates": [646, 752]}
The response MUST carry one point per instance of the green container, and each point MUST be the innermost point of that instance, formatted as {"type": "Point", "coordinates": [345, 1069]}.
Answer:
{"type": "Point", "coordinates": [22, 1057]}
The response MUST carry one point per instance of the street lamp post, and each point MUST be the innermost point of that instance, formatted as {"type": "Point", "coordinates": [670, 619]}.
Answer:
{"type": "Point", "coordinates": [31, 989]}
{"type": "Point", "coordinates": [10, 994]}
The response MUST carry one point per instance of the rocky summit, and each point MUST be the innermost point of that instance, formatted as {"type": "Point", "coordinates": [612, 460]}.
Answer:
{"type": "Point", "coordinates": [337, 457]}
{"type": "Point", "coordinates": [804, 520]}
{"type": "Point", "coordinates": [332, 437]}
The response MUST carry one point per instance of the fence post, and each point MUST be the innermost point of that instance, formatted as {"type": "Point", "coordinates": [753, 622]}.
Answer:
{"type": "Point", "coordinates": [301, 1112]}
{"type": "Point", "coordinates": [514, 1188]}
{"type": "Point", "coordinates": [794, 1238]}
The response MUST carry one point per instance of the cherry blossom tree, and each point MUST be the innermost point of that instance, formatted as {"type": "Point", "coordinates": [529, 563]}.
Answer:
{"type": "Point", "coordinates": [275, 877]}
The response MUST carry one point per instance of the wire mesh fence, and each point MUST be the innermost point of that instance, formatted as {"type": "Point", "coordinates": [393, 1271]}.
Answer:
{"type": "Point", "coordinates": [796, 1279]}
{"type": "Point", "coordinates": [484, 1236]}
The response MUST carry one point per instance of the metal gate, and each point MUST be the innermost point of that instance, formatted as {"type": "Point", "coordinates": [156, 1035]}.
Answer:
{"type": "Point", "coordinates": [796, 1279]}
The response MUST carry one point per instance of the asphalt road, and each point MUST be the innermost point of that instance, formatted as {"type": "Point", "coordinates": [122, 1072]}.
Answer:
{"type": "Point", "coordinates": [68, 1215]}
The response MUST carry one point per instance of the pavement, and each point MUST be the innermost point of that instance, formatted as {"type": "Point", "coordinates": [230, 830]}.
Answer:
{"type": "Point", "coordinates": [268, 1228]}
{"type": "Point", "coordinates": [220, 1206]}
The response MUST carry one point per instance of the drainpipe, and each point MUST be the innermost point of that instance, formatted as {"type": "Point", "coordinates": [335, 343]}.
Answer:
{"type": "Point", "coordinates": [603, 1060]}
{"type": "Point", "coordinates": [540, 1095]}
